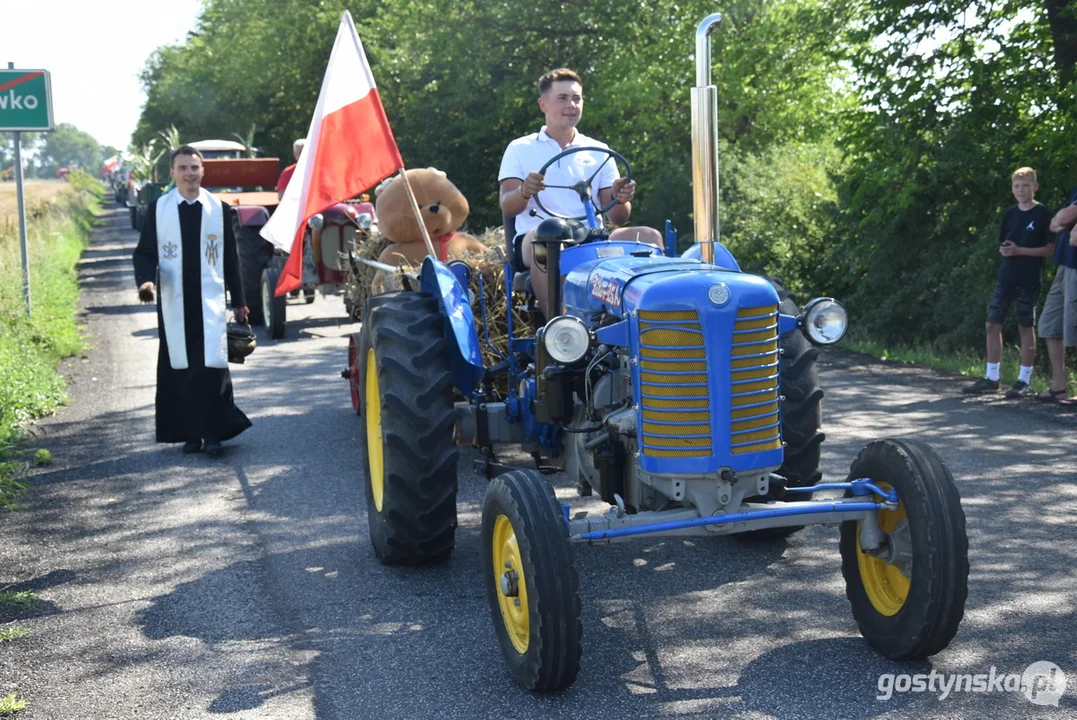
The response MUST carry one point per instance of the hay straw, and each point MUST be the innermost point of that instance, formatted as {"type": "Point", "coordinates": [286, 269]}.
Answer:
{"type": "Point", "coordinates": [489, 266]}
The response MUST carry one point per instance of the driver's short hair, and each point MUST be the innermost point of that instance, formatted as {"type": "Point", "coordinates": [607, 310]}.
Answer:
{"type": "Point", "coordinates": [546, 81]}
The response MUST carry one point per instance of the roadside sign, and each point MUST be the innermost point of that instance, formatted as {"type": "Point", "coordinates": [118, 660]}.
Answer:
{"type": "Point", "coordinates": [25, 100]}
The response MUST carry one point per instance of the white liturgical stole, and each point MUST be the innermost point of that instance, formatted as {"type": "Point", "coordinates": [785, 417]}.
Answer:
{"type": "Point", "coordinates": [170, 287]}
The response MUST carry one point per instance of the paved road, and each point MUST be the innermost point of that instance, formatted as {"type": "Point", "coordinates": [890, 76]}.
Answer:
{"type": "Point", "coordinates": [178, 586]}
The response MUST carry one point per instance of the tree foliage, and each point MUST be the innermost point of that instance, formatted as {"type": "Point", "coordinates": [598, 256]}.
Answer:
{"type": "Point", "coordinates": [866, 144]}
{"type": "Point", "coordinates": [952, 97]}
{"type": "Point", "coordinates": [458, 79]}
{"type": "Point", "coordinates": [67, 146]}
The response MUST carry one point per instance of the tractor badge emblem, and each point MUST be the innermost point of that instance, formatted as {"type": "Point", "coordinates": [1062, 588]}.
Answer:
{"type": "Point", "coordinates": [718, 294]}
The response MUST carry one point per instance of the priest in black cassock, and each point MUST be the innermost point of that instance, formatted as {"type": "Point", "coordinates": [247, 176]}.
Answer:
{"type": "Point", "coordinates": [187, 251]}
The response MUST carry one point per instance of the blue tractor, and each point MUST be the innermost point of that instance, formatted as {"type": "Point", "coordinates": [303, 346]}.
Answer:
{"type": "Point", "coordinates": [680, 390]}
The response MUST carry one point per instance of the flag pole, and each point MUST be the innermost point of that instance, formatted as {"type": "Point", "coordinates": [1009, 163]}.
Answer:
{"type": "Point", "coordinates": [418, 214]}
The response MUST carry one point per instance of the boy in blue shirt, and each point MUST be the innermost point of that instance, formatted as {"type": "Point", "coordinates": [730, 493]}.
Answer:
{"type": "Point", "coordinates": [1024, 240]}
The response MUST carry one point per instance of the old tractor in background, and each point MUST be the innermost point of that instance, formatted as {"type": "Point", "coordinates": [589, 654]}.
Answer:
{"type": "Point", "coordinates": [329, 241]}
{"type": "Point", "coordinates": [680, 390]}
{"type": "Point", "coordinates": [248, 186]}
{"type": "Point", "coordinates": [329, 238]}
{"type": "Point", "coordinates": [139, 194]}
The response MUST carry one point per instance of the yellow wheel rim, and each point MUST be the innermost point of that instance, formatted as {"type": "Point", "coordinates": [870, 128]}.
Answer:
{"type": "Point", "coordinates": [885, 585]}
{"type": "Point", "coordinates": [511, 585]}
{"type": "Point", "coordinates": [372, 413]}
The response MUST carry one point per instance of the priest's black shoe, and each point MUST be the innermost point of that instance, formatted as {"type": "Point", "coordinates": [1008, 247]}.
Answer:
{"type": "Point", "coordinates": [212, 447]}
{"type": "Point", "coordinates": [192, 446]}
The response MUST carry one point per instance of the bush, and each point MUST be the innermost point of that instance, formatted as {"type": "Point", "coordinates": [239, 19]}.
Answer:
{"type": "Point", "coordinates": [31, 347]}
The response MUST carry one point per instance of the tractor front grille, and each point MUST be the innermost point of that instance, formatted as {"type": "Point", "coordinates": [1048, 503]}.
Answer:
{"type": "Point", "coordinates": [755, 421]}
{"type": "Point", "coordinates": [674, 391]}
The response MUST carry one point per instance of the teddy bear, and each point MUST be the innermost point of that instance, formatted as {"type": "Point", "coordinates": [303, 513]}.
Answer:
{"type": "Point", "coordinates": [443, 208]}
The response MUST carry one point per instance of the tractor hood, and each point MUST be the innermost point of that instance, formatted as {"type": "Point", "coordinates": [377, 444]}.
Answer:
{"type": "Point", "coordinates": [614, 286]}
{"type": "Point", "coordinates": [702, 340]}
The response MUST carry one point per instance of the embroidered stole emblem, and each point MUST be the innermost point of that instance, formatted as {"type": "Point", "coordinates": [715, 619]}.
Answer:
{"type": "Point", "coordinates": [211, 251]}
{"type": "Point", "coordinates": [170, 251]}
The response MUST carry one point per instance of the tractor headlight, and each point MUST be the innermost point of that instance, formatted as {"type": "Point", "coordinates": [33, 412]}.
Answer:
{"type": "Point", "coordinates": [567, 339]}
{"type": "Point", "coordinates": [825, 321]}
{"type": "Point", "coordinates": [316, 222]}
{"type": "Point", "coordinates": [364, 221]}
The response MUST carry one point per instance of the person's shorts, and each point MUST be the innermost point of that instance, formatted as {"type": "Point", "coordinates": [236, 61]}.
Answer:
{"type": "Point", "coordinates": [1004, 296]}
{"type": "Point", "coordinates": [1059, 318]}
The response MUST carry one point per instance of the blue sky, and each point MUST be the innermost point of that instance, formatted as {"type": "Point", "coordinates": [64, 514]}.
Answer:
{"type": "Point", "coordinates": [94, 50]}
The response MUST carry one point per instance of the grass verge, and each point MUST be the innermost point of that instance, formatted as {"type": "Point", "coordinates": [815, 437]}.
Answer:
{"type": "Point", "coordinates": [12, 633]}
{"type": "Point", "coordinates": [19, 599]}
{"type": "Point", "coordinates": [11, 704]}
{"type": "Point", "coordinates": [30, 347]}
{"type": "Point", "coordinates": [971, 364]}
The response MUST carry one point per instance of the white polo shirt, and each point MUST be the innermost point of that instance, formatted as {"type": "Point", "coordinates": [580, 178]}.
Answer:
{"type": "Point", "coordinates": [529, 153]}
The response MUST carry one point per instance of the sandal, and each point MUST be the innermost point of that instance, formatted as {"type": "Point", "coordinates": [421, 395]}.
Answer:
{"type": "Point", "coordinates": [1052, 396]}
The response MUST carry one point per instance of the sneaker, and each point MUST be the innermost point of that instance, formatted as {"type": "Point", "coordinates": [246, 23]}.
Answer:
{"type": "Point", "coordinates": [981, 387]}
{"type": "Point", "coordinates": [1020, 389]}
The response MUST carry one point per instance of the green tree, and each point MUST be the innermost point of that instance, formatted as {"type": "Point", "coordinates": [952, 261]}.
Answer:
{"type": "Point", "coordinates": [455, 102]}
{"type": "Point", "coordinates": [68, 146]}
{"type": "Point", "coordinates": [457, 79]}
{"type": "Point", "coordinates": [952, 98]}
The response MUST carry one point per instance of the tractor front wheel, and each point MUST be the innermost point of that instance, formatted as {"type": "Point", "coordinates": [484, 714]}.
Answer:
{"type": "Point", "coordinates": [531, 582]}
{"type": "Point", "coordinates": [409, 416]}
{"type": "Point", "coordinates": [908, 597]}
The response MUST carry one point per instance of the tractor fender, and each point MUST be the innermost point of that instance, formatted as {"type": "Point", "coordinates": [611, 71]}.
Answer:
{"type": "Point", "coordinates": [251, 215]}
{"type": "Point", "coordinates": [466, 354]}
{"type": "Point", "coordinates": [722, 257]}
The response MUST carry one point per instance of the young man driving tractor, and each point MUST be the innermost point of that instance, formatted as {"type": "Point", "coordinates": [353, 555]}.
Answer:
{"type": "Point", "coordinates": [561, 102]}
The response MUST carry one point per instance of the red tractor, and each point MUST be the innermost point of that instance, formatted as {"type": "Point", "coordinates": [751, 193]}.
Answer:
{"type": "Point", "coordinates": [330, 237]}
{"type": "Point", "coordinates": [329, 241]}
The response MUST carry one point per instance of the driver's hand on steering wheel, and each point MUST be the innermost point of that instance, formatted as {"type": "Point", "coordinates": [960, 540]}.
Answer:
{"type": "Point", "coordinates": [623, 191]}
{"type": "Point", "coordinates": [535, 183]}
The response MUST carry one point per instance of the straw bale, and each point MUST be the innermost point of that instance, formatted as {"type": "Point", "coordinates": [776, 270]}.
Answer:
{"type": "Point", "coordinates": [361, 278]}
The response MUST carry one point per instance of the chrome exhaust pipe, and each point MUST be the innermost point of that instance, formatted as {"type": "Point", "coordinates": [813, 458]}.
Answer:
{"type": "Point", "coordinates": [705, 143]}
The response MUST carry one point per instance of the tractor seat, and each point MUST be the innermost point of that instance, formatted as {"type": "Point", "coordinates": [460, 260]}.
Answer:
{"type": "Point", "coordinates": [521, 277]}
{"type": "Point", "coordinates": [514, 242]}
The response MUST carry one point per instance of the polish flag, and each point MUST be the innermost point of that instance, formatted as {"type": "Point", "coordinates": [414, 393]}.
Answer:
{"type": "Point", "coordinates": [350, 148]}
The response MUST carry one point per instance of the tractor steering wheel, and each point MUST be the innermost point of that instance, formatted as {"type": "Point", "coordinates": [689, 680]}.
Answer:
{"type": "Point", "coordinates": [583, 187]}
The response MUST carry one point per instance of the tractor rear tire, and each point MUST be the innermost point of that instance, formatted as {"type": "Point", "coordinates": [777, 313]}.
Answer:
{"type": "Point", "coordinates": [909, 614]}
{"type": "Point", "coordinates": [409, 418]}
{"type": "Point", "coordinates": [802, 415]}
{"type": "Point", "coordinates": [531, 581]}
{"type": "Point", "coordinates": [274, 309]}
{"type": "Point", "coordinates": [254, 256]}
